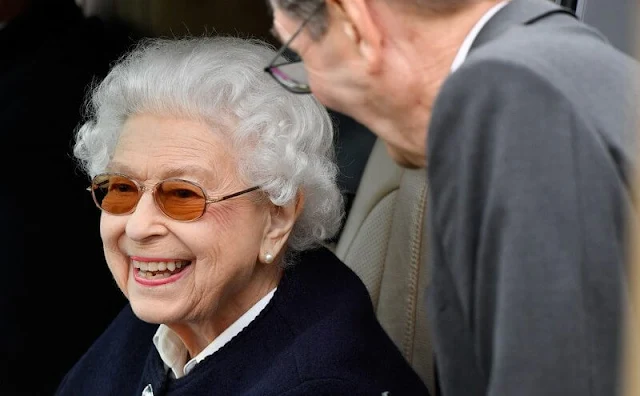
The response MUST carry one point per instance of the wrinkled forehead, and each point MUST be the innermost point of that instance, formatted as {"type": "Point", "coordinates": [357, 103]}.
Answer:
{"type": "Point", "coordinates": [152, 144]}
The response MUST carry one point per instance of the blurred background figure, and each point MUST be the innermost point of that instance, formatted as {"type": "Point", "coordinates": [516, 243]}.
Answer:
{"type": "Point", "coordinates": [50, 54]}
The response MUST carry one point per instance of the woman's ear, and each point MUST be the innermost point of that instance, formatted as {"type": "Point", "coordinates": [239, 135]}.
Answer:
{"type": "Point", "coordinates": [359, 25]}
{"type": "Point", "coordinates": [279, 227]}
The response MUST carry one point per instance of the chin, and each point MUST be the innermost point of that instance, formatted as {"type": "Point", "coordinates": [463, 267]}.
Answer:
{"type": "Point", "coordinates": [403, 159]}
{"type": "Point", "coordinates": [150, 311]}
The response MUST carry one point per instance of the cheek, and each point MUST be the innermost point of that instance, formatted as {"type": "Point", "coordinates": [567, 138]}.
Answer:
{"type": "Point", "coordinates": [224, 217]}
{"type": "Point", "coordinates": [111, 229]}
{"type": "Point", "coordinates": [233, 231]}
{"type": "Point", "coordinates": [327, 97]}
{"type": "Point", "coordinates": [119, 267]}
{"type": "Point", "coordinates": [230, 217]}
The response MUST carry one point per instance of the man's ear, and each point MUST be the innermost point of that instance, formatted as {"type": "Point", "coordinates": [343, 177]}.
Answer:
{"type": "Point", "coordinates": [279, 226]}
{"type": "Point", "coordinates": [360, 26]}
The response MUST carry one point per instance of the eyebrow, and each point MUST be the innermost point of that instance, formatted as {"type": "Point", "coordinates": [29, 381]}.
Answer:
{"type": "Point", "coordinates": [187, 170]}
{"type": "Point", "coordinates": [168, 172]}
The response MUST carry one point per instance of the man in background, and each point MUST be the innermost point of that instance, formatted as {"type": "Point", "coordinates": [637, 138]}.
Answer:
{"type": "Point", "coordinates": [523, 117]}
{"type": "Point", "coordinates": [49, 54]}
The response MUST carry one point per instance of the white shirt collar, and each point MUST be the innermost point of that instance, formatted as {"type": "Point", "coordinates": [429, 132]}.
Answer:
{"type": "Point", "coordinates": [468, 41]}
{"type": "Point", "coordinates": [174, 353]}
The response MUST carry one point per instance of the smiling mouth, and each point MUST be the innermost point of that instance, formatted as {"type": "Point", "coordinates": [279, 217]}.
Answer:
{"type": "Point", "coordinates": [159, 270]}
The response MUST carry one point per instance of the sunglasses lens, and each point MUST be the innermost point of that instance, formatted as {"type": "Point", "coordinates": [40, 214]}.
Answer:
{"type": "Point", "coordinates": [181, 200]}
{"type": "Point", "coordinates": [293, 76]}
{"type": "Point", "coordinates": [115, 194]}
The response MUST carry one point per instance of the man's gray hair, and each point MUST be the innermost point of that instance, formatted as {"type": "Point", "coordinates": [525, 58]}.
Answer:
{"type": "Point", "coordinates": [301, 9]}
{"type": "Point", "coordinates": [284, 141]}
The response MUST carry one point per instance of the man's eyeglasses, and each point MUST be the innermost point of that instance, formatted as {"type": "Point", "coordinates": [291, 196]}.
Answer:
{"type": "Point", "coordinates": [179, 199]}
{"type": "Point", "coordinates": [290, 73]}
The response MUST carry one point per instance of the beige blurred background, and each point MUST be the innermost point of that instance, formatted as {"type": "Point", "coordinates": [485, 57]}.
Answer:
{"type": "Point", "coordinates": [632, 347]}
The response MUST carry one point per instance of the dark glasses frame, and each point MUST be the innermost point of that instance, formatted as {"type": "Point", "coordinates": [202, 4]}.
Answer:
{"type": "Point", "coordinates": [142, 189]}
{"type": "Point", "coordinates": [272, 67]}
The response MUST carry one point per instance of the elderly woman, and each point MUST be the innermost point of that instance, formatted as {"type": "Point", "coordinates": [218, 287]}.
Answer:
{"type": "Point", "coordinates": [217, 190]}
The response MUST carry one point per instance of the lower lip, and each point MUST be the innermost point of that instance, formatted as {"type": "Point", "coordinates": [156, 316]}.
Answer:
{"type": "Point", "coordinates": [160, 282]}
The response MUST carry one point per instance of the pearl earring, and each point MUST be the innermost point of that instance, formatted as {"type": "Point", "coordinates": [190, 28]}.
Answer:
{"type": "Point", "coordinates": [268, 258]}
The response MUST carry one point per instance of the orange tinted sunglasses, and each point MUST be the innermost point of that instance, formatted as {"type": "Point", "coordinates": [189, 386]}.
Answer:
{"type": "Point", "coordinates": [179, 199]}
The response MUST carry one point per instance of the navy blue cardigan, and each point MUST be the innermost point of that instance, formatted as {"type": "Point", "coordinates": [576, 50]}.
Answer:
{"type": "Point", "coordinates": [317, 336]}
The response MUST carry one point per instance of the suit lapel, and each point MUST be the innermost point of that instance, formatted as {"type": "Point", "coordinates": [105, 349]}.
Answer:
{"type": "Point", "coordinates": [517, 12]}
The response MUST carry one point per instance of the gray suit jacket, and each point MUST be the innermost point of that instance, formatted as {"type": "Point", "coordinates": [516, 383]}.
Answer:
{"type": "Point", "coordinates": [529, 149]}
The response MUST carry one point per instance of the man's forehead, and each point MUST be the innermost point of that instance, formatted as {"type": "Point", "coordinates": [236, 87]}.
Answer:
{"type": "Point", "coordinates": [274, 32]}
{"type": "Point", "coordinates": [283, 26]}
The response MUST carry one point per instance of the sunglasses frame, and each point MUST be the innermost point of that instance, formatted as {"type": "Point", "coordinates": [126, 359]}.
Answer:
{"type": "Point", "coordinates": [303, 88]}
{"type": "Point", "coordinates": [142, 189]}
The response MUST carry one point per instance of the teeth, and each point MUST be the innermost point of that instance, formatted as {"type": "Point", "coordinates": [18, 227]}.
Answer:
{"type": "Point", "coordinates": [159, 266]}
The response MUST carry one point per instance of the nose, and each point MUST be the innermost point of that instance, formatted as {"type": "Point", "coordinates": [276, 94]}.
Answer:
{"type": "Point", "coordinates": [146, 221]}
